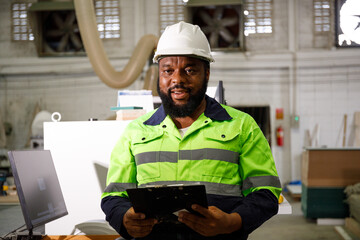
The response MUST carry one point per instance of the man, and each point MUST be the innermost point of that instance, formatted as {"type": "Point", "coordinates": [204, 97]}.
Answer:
{"type": "Point", "coordinates": [191, 138]}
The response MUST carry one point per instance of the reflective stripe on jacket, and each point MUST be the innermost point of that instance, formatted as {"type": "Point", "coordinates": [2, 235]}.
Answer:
{"type": "Point", "coordinates": [224, 149]}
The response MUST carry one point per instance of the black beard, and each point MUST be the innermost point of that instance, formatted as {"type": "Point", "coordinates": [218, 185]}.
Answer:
{"type": "Point", "coordinates": [176, 111]}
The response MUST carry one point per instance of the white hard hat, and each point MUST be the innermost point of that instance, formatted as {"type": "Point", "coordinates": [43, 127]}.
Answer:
{"type": "Point", "coordinates": [183, 39]}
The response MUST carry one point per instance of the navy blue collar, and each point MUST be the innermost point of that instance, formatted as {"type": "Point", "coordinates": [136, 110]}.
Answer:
{"type": "Point", "coordinates": [213, 110]}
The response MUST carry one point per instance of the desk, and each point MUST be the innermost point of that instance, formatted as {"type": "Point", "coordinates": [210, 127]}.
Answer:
{"type": "Point", "coordinates": [81, 237]}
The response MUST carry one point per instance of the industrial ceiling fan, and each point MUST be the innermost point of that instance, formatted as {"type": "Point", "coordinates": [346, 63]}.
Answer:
{"type": "Point", "coordinates": [220, 24]}
{"type": "Point", "coordinates": [61, 32]}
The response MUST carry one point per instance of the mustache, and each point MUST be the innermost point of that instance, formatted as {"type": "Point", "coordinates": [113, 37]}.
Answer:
{"type": "Point", "coordinates": [177, 86]}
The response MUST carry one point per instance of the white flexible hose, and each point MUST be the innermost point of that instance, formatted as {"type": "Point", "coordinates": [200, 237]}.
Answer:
{"type": "Point", "coordinates": [85, 14]}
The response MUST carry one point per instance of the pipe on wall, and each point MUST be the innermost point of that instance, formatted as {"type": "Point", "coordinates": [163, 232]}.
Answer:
{"type": "Point", "coordinates": [151, 78]}
{"type": "Point", "coordinates": [85, 14]}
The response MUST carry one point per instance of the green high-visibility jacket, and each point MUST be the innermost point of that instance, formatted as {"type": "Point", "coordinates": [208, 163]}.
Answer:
{"type": "Point", "coordinates": [224, 149]}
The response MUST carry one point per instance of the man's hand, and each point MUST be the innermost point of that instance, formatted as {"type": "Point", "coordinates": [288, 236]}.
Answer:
{"type": "Point", "coordinates": [136, 224]}
{"type": "Point", "coordinates": [214, 221]}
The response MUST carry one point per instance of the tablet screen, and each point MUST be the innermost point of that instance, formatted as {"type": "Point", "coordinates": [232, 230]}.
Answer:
{"type": "Point", "coordinates": [160, 201]}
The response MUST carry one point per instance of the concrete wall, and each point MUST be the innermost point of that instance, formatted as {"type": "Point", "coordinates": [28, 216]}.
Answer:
{"type": "Point", "coordinates": [291, 69]}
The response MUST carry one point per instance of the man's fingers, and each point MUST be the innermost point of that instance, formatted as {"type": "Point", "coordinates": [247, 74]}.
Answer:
{"type": "Point", "coordinates": [203, 211]}
{"type": "Point", "coordinates": [136, 223]}
{"type": "Point", "coordinates": [136, 216]}
{"type": "Point", "coordinates": [142, 223]}
{"type": "Point", "coordinates": [194, 222]}
{"type": "Point", "coordinates": [139, 231]}
{"type": "Point", "coordinates": [190, 220]}
{"type": "Point", "coordinates": [140, 228]}
{"type": "Point", "coordinates": [131, 214]}
{"type": "Point", "coordinates": [213, 222]}
{"type": "Point", "coordinates": [139, 221]}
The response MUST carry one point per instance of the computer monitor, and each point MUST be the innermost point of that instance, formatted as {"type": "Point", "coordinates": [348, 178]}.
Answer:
{"type": "Point", "coordinates": [37, 186]}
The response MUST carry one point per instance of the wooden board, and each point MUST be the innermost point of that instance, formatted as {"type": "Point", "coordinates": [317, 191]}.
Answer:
{"type": "Point", "coordinates": [353, 226]}
{"type": "Point", "coordinates": [9, 200]}
{"type": "Point", "coordinates": [81, 237]}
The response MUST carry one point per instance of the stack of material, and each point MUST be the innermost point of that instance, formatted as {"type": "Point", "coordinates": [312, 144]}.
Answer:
{"type": "Point", "coordinates": [353, 199]}
{"type": "Point", "coordinates": [128, 113]}
{"type": "Point", "coordinates": [325, 174]}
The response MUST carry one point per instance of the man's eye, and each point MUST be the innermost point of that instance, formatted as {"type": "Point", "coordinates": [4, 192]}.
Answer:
{"type": "Point", "coordinates": [190, 70]}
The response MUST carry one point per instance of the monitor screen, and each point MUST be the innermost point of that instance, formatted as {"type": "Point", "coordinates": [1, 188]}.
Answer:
{"type": "Point", "coordinates": [37, 186]}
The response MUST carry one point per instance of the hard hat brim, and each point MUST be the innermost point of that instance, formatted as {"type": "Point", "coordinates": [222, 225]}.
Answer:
{"type": "Point", "coordinates": [182, 52]}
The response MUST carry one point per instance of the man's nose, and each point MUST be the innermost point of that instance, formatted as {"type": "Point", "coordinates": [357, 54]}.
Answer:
{"type": "Point", "coordinates": [178, 77]}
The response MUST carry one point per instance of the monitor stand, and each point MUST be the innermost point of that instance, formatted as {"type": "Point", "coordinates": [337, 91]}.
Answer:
{"type": "Point", "coordinates": [24, 235]}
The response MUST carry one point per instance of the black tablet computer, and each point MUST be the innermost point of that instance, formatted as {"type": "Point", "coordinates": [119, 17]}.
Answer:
{"type": "Point", "coordinates": [162, 201]}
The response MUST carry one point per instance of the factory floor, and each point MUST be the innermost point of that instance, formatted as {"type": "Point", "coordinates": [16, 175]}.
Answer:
{"type": "Point", "coordinates": [287, 227]}
{"type": "Point", "coordinates": [294, 227]}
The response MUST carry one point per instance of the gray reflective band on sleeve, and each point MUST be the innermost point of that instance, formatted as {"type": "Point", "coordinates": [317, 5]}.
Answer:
{"type": "Point", "coordinates": [211, 188]}
{"type": "Point", "coordinates": [261, 181]}
{"type": "Point", "coordinates": [119, 187]}
{"type": "Point", "coordinates": [198, 154]}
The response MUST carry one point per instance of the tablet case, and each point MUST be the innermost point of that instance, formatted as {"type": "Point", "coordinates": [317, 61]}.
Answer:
{"type": "Point", "coordinates": [161, 201]}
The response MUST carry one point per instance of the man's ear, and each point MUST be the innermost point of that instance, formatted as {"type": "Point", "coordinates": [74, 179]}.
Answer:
{"type": "Point", "coordinates": [207, 74]}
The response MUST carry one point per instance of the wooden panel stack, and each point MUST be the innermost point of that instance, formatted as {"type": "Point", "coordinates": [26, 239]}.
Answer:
{"type": "Point", "coordinates": [352, 223]}
{"type": "Point", "coordinates": [325, 174]}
